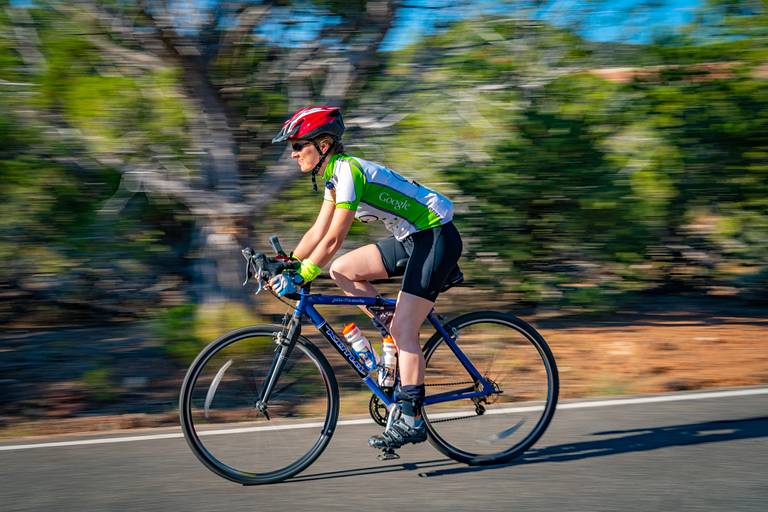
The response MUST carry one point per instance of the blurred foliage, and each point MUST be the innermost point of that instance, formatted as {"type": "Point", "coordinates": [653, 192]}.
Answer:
{"type": "Point", "coordinates": [572, 187]}
{"type": "Point", "coordinates": [116, 109]}
{"type": "Point", "coordinates": [99, 385]}
{"type": "Point", "coordinates": [175, 327]}
{"type": "Point", "coordinates": [61, 240]}
{"type": "Point", "coordinates": [186, 329]}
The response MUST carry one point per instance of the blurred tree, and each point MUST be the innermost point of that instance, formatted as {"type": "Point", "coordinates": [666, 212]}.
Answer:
{"type": "Point", "coordinates": [603, 165]}
{"type": "Point", "coordinates": [241, 85]}
{"type": "Point", "coordinates": [183, 102]}
{"type": "Point", "coordinates": [572, 181]}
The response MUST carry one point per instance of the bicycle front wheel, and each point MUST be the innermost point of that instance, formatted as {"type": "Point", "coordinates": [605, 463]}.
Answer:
{"type": "Point", "coordinates": [520, 366]}
{"type": "Point", "coordinates": [221, 419]}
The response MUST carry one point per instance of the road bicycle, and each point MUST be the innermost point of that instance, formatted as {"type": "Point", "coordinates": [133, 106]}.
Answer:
{"type": "Point", "coordinates": [260, 404]}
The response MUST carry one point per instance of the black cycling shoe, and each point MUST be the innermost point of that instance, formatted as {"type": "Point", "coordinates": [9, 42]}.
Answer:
{"type": "Point", "coordinates": [398, 434]}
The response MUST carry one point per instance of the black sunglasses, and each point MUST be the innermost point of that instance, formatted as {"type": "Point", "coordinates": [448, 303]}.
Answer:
{"type": "Point", "coordinates": [298, 146]}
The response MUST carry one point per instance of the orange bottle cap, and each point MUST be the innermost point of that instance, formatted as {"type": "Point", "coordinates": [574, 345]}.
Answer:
{"type": "Point", "coordinates": [389, 339]}
{"type": "Point", "coordinates": [348, 328]}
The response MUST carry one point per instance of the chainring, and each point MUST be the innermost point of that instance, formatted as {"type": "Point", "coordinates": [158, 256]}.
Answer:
{"type": "Point", "coordinates": [378, 410]}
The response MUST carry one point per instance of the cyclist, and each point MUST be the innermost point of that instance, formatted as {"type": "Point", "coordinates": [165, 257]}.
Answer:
{"type": "Point", "coordinates": [420, 220]}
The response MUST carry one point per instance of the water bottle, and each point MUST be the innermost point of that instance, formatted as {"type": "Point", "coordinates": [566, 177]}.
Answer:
{"type": "Point", "coordinates": [389, 363]}
{"type": "Point", "coordinates": [360, 345]}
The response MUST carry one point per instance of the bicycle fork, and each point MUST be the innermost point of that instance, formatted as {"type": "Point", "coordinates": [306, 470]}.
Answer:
{"type": "Point", "coordinates": [285, 344]}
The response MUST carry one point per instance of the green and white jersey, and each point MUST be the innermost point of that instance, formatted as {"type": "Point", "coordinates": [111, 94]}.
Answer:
{"type": "Point", "coordinates": [375, 192]}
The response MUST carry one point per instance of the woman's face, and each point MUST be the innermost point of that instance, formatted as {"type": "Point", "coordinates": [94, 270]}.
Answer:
{"type": "Point", "coordinates": [306, 157]}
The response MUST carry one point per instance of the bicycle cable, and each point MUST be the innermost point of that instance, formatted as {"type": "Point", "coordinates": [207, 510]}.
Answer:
{"type": "Point", "coordinates": [278, 297]}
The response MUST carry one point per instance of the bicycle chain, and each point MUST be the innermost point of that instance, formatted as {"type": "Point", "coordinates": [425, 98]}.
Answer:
{"type": "Point", "coordinates": [449, 384]}
{"type": "Point", "coordinates": [457, 418]}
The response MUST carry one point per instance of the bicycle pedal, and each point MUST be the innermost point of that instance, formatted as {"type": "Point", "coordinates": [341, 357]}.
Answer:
{"type": "Point", "coordinates": [388, 455]}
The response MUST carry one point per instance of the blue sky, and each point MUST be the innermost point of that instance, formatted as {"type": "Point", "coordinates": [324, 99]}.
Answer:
{"type": "Point", "coordinates": [608, 19]}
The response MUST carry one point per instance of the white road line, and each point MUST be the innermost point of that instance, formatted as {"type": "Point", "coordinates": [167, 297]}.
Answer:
{"type": "Point", "coordinates": [508, 410]}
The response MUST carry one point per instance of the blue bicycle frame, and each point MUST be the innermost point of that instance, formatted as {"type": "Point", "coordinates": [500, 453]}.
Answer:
{"type": "Point", "coordinates": [306, 306]}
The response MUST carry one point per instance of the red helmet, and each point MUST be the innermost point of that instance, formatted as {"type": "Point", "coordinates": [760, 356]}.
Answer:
{"type": "Point", "coordinates": [310, 122]}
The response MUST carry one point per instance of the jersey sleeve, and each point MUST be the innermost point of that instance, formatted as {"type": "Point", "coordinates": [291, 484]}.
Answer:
{"type": "Point", "coordinates": [348, 185]}
{"type": "Point", "coordinates": [328, 194]}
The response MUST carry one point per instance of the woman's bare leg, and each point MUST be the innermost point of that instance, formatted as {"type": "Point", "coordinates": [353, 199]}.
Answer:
{"type": "Point", "coordinates": [410, 313]}
{"type": "Point", "coordinates": [354, 271]}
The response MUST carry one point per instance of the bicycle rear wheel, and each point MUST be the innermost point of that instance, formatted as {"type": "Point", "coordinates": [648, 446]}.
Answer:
{"type": "Point", "coordinates": [516, 359]}
{"type": "Point", "coordinates": [226, 430]}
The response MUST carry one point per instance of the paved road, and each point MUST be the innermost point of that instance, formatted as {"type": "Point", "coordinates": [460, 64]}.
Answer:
{"type": "Point", "coordinates": [704, 454]}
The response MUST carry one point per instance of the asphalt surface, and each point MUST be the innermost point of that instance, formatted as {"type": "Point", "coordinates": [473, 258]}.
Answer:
{"type": "Point", "coordinates": [705, 454]}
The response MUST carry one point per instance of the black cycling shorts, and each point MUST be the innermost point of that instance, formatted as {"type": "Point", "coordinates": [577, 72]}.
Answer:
{"type": "Point", "coordinates": [432, 255]}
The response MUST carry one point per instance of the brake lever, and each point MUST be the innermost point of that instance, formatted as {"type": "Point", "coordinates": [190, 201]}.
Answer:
{"type": "Point", "coordinates": [259, 271]}
{"type": "Point", "coordinates": [257, 262]}
{"type": "Point", "coordinates": [247, 254]}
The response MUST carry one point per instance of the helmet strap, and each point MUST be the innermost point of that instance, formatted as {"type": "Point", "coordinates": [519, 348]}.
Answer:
{"type": "Point", "coordinates": [320, 163]}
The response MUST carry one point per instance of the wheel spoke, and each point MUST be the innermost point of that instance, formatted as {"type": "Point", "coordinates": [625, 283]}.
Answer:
{"type": "Point", "coordinates": [500, 436]}
{"type": "Point", "coordinates": [214, 386]}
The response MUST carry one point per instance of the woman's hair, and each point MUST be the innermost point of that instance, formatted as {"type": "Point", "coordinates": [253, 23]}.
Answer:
{"type": "Point", "coordinates": [338, 148]}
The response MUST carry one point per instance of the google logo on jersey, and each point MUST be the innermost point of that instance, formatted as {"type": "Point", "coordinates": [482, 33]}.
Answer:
{"type": "Point", "coordinates": [397, 204]}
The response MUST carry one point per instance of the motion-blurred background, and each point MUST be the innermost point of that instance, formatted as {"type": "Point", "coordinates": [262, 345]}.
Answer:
{"type": "Point", "coordinates": [608, 160]}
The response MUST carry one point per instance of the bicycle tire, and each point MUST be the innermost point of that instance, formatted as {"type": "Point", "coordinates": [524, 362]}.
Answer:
{"type": "Point", "coordinates": [536, 384]}
{"type": "Point", "coordinates": [213, 394]}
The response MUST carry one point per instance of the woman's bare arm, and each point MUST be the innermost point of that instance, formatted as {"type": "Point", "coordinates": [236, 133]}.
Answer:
{"type": "Point", "coordinates": [315, 234]}
{"type": "Point", "coordinates": [334, 237]}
